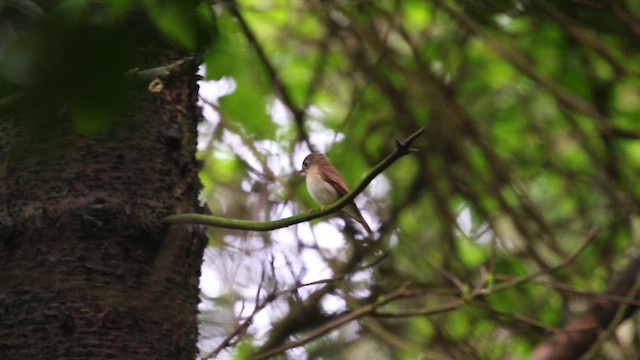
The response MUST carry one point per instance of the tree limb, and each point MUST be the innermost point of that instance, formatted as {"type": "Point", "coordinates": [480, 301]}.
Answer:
{"type": "Point", "coordinates": [400, 292]}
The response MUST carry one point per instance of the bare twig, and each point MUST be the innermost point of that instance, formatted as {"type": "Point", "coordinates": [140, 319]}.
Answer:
{"type": "Point", "coordinates": [433, 310]}
{"type": "Point", "coordinates": [400, 292]}
{"type": "Point", "coordinates": [242, 328]}
{"type": "Point", "coordinates": [398, 341]}
{"type": "Point", "coordinates": [447, 274]}
{"type": "Point", "coordinates": [522, 63]}
{"type": "Point", "coordinates": [586, 293]}
{"type": "Point", "coordinates": [515, 316]}
{"type": "Point", "coordinates": [582, 34]}
{"type": "Point", "coordinates": [631, 22]}
{"type": "Point", "coordinates": [565, 262]}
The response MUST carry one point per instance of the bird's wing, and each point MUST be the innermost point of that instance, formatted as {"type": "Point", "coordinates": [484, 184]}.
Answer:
{"type": "Point", "coordinates": [331, 175]}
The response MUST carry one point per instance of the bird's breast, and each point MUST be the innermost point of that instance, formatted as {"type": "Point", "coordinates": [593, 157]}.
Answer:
{"type": "Point", "coordinates": [320, 190]}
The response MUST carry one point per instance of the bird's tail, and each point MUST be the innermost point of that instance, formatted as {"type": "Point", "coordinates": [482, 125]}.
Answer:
{"type": "Point", "coordinates": [353, 212]}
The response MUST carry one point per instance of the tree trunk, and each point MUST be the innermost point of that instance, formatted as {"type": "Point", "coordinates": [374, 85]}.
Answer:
{"type": "Point", "coordinates": [87, 271]}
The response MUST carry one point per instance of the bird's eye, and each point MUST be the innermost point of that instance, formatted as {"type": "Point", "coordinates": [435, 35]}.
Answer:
{"type": "Point", "coordinates": [305, 164]}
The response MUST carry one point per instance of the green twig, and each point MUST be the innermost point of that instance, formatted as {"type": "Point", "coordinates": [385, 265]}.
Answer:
{"type": "Point", "coordinates": [402, 148]}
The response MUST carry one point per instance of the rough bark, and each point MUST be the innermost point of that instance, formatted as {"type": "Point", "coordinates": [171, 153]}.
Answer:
{"type": "Point", "coordinates": [86, 269]}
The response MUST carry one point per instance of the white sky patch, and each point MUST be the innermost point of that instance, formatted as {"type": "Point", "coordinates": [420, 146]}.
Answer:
{"type": "Point", "coordinates": [465, 223]}
{"type": "Point", "coordinates": [393, 239]}
{"type": "Point", "coordinates": [234, 145]}
{"type": "Point", "coordinates": [209, 95]}
{"type": "Point", "coordinates": [276, 158]}
{"type": "Point", "coordinates": [212, 90]}
{"type": "Point", "coordinates": [379, 188]}
{"type": "Point", "coordinates": [282, 210]}
{"type": "Point", "coordinates": [279, 113]}
{"type": "Point", "coordinates": [306, 235]}
{"type": "Point", "coordinates": [333, 304]}
{"type": "Point", "coordinates": [316, 269]}
{"type": "Point", "coordinates": [285, 237]}
{"type": "Point", "coordinates": [205, 134]}
{"type": "Point", "coordinates": [503, 20]}
{"type": "Point", "coordinates": [329, 237]}
{"type": "Point", "coordinates": [210, 282]}
{"type": "Point", "coordinates": [362, 277]}
{"type": "Point", "coordinates": [321, 137]}
{"type": "Point", "coordinates": [299, 153]}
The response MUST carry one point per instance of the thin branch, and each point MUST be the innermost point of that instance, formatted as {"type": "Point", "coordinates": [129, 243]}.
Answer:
{"type": "Point", "coordinates": [242, 327]}
{"type": "Point", "coordinates": [520, 62]}
{"type": "Point", "coordinates": [400, 292]}
{"type": "Point", "coordinates": [630, 21]}
{"type": "Point", "coordinates": [515, 316]}
{"type": "Point", "coordinates": [398, 341]}
{"type": "Point", "coordinates": [501, 172]}
{"type": "Point", "coordinates": [459, 284]}
{"type": "Point", "coordinates": [433, 310]}
{"type": "Point", "coordinates": [402, 148]}
{"type": "Point", "coordinates": [582, 34]}
{"type": "Point", "coordinates": [287, 99]}
{"type": "Point", "coordinates": [565, 262]}
{"type": "Point", "coordinates": [564, 288]}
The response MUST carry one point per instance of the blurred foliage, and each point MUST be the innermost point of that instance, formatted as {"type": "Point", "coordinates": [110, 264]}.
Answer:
{"type": "Point", "coordinates": [532, 139]}
{"type": "Point", "coordinates": [77, 57]}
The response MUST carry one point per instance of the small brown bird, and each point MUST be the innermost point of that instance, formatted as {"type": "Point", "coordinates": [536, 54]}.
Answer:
{"type": "Point", "coordinates": [326, 185]}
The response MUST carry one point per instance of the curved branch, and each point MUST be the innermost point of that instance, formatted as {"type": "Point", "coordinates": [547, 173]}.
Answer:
{"type": "Point", "coordinates": [402, 148]}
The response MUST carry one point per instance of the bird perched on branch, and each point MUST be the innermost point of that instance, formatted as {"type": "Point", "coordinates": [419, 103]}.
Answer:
{"type": "Point", "coordinates": [326, 185]}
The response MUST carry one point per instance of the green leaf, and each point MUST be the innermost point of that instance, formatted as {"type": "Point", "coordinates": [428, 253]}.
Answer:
{"type": "Point", "coordinates": [471, 254]}
{"type": "Point", "coordinates": [18, 17]}
{"type": "Point", "coordinates": [248, 104]}
{"type": "Point", "coordinates": [244, 349]}
{"type": "Point", "coordinates": [176, 19]}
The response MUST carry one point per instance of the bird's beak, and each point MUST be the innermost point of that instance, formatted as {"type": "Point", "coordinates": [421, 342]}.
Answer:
{"type": "Point", "coordinates": [302, 173]}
